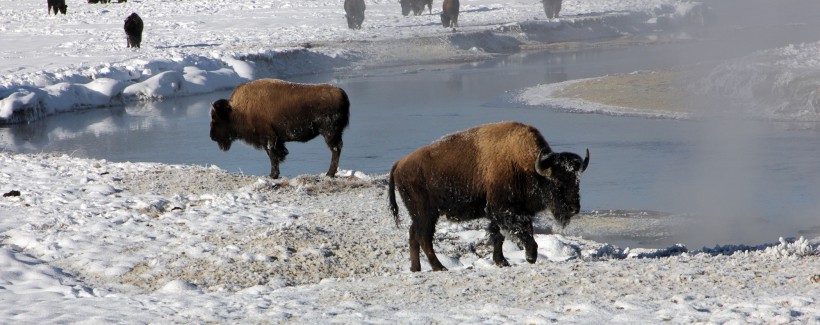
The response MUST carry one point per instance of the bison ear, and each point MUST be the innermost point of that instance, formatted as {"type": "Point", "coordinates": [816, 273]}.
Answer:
{"type": "Point", "coordinates": [544, 162]}
{"type": "Point", "coordinates": [221, 109]}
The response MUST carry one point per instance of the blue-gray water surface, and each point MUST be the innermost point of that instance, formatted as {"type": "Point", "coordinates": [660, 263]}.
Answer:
{"type": "Point", "coordinates": [738, 181]}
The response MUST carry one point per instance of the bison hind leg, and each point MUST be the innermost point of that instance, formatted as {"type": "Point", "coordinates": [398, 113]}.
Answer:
{"type": "Point", "coordinates": [335, 144]}
{"type": "Point", "coordinates": [421, 234]}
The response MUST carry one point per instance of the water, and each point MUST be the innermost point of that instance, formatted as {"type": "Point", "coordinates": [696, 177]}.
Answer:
{"type": "Point", "coordinates": [732, 182]}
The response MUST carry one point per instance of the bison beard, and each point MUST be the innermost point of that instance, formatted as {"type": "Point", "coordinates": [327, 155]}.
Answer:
{"type": "Point", "coordinates": [266, 113]}
{"type": "Point", "coordinates": [133, 30]}
{"type": "Point", "coordinates": [505, 172]}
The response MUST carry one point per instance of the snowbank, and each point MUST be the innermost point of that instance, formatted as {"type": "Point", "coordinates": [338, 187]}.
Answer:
{"type": "Point", "coordinates": [79, 61]}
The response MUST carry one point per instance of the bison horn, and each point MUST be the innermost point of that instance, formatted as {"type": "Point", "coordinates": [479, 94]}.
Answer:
{"type": "Point", "coordinates": [543, 165]}
{"type": "Point", "coordinates": [586, 162]}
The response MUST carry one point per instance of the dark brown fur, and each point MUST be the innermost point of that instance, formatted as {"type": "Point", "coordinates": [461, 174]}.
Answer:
{"type": "Point", "coordinates": [266, 113]}
{"type": "Point", "coordinates": [417, 6]}
{"type": "Point", "coordinates": [449, 13]}
{"type": "Point", "coordinates": [57, 6]}
{"type": "Point", "coordinates": [485, 172]}
{"type": "Point", "coordinates": [354, 13]}
{"type": "Point", "coordinates": [133, 30]}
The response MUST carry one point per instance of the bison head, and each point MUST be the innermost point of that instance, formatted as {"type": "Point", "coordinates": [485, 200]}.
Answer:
{"type": "Point", "coordinates": [563, 172]}
{"type": "Point", "coordinates": [406, 6]}
{"type": "Point", "coordinates": [221, 128]}
{"type": "Point", "coordinates": [445, 20]}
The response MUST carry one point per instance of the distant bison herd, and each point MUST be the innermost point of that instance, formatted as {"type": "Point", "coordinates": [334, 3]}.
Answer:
{"type": "Point", "coordinates": [505, 172]}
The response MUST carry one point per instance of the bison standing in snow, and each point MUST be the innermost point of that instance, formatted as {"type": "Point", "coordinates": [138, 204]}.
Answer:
{"type": "Point", "coordinates": [449, 13]}
{"type": "Point", "coordinates": [417, 6]}
{"type": "Point", "coordinates": [505, 172]}
{"type": "Point", "coordinates": [266, 113]}
{"type": "Point", "coordinates": [133, 30]}
{"type": "Point", "coordinates": [552, 8]}
{"type": "Point", "coordinates": [57, 5]}
{"type": "Point", "coordinates": [354, 13]}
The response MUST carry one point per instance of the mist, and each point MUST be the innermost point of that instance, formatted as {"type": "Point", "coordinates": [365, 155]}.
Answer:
{"type": "Point", "coordinates": [748, 85]}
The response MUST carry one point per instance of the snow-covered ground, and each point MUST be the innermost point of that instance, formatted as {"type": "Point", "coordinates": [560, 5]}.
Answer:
{"type": "Point", "coordinates": [90, 241]}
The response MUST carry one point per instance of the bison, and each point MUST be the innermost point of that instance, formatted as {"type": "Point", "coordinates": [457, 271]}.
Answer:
{"type": "Point", "coordinates": [133, 30]}
{"type": "Point", "coordinates": [57, 6]}
{"type": "Point", "coordinates": [266, 113]}
{"type": "Point", "coordinates": [449, 13]}
{"type": "Point", "coordinates": [505, 172]}
{"type": "Point", "coordinates": [552, 8]}
{"type": "Point", "coordinates": [417, 6]}
{"type": "Point", "coordinates": [354, 13]}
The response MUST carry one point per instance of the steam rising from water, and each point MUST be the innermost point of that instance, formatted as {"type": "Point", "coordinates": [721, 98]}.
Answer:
{"type": "Point", "coordinates": [773, 75]}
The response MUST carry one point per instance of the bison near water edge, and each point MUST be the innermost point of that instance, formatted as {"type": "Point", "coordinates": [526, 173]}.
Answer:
{"type": "Point", "coordinates": [505, 172]}
{"type": "Point", "coordinates": [266, 113]}
{"type": "Point", "coordinates": [354, 13]}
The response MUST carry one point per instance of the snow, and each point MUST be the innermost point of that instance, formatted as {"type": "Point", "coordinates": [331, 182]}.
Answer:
{"type": "Point", "coordinates": [92, 241]}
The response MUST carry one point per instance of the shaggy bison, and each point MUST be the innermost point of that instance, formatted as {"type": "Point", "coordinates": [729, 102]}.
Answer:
{"type": "Point", "coordinates": [354, 13]}
{"type": "Point", "coordinates": [552, 8]}
{"type": "Point", "coordinates": [449, 13]}
{"type": "Point", "coordinates": [266, 113]}
{"type": "Point", "coordinates": [57, 5]}
{"type": "Point", "coordinates": [417, 6]}
{"type": "Point", "coordinates": [504, 172]}
{"type": "Point", "coordinates": [133, 30]}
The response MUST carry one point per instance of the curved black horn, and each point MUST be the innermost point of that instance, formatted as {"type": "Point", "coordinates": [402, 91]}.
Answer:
{"type": "Point", "coordinates": [586, 162]}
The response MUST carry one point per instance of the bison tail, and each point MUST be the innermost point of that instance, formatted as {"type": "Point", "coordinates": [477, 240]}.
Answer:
{"type": "Point", "coordinates": [391, 194]}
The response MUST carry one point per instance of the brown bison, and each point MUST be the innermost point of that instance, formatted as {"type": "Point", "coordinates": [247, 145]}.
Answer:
{"type": "Point", "coordinates": [449, 13]}
{"type": "Point", "coordinates": [354, 13]}
{"type": "Point", "coordinates": [133, 30]}
{"type": "Point", "coordinates": [417, 6]}
{"type": "Point", "coordinates": [56, 6]}
{"type": "Point", "coordinates": [266, 113]}
{"type": "Point", "coordinates": [504, 172]}
{"type": "Point", "coordinates": [552, 8]}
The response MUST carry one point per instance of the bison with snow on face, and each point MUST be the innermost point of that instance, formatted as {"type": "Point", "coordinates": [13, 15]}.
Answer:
{"type": "Point", "coordinates": [505, 172]}
{"type": "Point", "coordinates": [449, 13]}
{"type": "Point", "coordinates": [354, 13]}
{"type": "Point", "coordinates": [133, 30]}
{"type": "Point", "coordinates": [266, 113]}
{"type": "Point", "coordinates": [552, 8]}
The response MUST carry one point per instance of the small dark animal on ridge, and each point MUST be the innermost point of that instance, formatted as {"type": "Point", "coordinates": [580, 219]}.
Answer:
{"type": "Point", "coordinates": [266, 113]}
{"type": "Point", "coordinates": [449, 13]}
{"type": "Point", "coordinates": [133, 30]}
{"type": "Point", "coordinates": [57, 5]}
{"type": "Point", "coordinates": [354, 13]}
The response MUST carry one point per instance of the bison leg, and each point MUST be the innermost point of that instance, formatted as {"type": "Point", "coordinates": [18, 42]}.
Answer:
{"type": "Point", "coordinates": [277, 154]}
{"type": "Point", "coordinates": [415, 264]}
{"type": "Point", "coordinates": [497, 240]}
{"type": "Point", "coordinates": [335, 144]}
{"type": "Point", "coordinates": [421, 234]}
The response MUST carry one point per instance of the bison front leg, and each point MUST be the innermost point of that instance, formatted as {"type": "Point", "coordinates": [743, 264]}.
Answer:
{"type": "Point", "coordinates": [497, 240]}
{"type": "Point", "coordinates": [276, 152]}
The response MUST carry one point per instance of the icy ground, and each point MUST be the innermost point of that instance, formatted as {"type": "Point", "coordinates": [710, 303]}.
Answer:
{"type": "Point", "coordinates": [94, 241]}
{"type": "Point", "coordinates": [90, 241]}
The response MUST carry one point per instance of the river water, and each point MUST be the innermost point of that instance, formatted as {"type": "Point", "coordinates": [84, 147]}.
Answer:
{"type": "Point", "coordinates": [733, 181]}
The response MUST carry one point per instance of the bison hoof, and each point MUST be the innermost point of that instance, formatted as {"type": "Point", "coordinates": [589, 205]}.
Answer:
{"type": "Point", "coordinates": [502, 263]}
{"type": "Point", "coordinates": [531, 260]}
